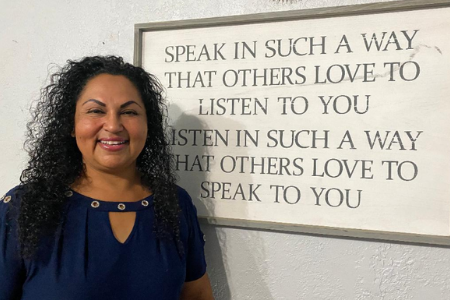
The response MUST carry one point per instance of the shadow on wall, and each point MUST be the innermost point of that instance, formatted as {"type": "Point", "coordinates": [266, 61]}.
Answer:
{"type": "Point", "coordinates": [242, 261]}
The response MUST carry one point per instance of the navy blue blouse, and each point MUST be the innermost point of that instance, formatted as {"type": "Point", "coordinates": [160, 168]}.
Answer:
{"type": "Point", "coordinates": [85, 260]}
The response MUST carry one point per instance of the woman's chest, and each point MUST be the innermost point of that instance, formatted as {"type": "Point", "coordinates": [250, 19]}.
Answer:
{"type": "Point", "coordinates": [87, 261]}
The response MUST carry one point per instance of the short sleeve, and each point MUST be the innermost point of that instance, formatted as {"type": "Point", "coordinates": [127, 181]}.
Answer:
{"type": "Point", "coordinates": [11, 265]}
{"type": "Point", "coordinates": [194, 247]}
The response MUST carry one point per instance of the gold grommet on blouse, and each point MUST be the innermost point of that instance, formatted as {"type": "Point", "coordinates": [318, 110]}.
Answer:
{"type": "Point", "coordinates": [121, 206]}
{"type": "Point", "coordinates": [7, 199]}
{"type": "Point", "coordinates": [144, 202]}
{"type": "Point", "coordinates": [95, 204]}
{"type": "Point", "coordinates": [68, 194]}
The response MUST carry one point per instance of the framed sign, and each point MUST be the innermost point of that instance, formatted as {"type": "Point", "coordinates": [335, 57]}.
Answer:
{"type": "Point", "coordinates": [328, 121]}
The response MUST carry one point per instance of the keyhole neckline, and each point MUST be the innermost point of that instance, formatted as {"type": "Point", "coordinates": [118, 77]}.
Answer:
{"type": "Point", "coordinates": [110, 206]}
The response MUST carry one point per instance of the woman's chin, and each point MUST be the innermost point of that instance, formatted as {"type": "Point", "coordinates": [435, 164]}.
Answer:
{"type": "Point", "coordinates": [114, 166]}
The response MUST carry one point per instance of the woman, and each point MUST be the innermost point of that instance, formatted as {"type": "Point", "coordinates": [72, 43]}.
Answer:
{"type": "Point", "coordinates": [97, 214]}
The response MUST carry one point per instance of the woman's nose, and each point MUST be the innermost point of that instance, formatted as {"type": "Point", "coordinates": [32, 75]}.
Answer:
{"type": "Point", "coordinates": [113, 123]}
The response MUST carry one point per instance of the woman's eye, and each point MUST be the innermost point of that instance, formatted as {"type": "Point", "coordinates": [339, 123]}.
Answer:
{"type": "Point", "coordinates": [130, 112]}
{"type": "Point", "coordinates": [95, 111]}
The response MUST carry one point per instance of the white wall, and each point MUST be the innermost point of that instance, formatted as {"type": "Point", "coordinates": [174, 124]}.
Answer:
{"type": "Point", "coordinates": [243, 264]}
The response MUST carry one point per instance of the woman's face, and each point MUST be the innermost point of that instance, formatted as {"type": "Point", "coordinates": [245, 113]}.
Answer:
{"type": "Point", "coordinates": [110, 124]}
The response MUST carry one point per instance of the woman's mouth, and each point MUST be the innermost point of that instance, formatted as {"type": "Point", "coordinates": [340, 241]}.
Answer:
{"type": "Point", "coordinates": [113, 144]}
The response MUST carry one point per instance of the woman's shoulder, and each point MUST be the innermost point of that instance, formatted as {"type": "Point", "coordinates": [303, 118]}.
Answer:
{"type": "Point", "coordinates": [10, 201]}
{"type": "Point", "coordinates": [185, 202]}
{"type": "Point", "coordinates": [184, 198]}
{"type": "Point", "coordinates": [182, 193]}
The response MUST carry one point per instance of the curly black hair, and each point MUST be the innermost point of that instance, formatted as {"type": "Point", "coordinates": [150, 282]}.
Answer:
{"type": "Point", "coordinates": [55, 161]}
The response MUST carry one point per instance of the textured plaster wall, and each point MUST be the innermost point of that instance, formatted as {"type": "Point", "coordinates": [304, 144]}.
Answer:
{"type": "Point", "coordinates": [243, 264]}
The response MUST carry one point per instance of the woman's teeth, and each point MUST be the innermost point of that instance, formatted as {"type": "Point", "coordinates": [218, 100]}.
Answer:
{"type": "Point", "coordinates": [113, 142]}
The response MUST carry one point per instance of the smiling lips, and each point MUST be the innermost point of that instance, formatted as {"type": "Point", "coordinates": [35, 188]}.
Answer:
{"type": "Point", "coordinates": [113, 144]}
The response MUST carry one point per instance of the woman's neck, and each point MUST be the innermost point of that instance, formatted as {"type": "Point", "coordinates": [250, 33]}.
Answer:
{"type": "Point", "coordinates": [124, 186]}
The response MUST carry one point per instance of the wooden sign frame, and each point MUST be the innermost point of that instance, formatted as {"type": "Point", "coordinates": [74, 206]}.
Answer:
{"type": "Point", "coordinates": [324, 14]}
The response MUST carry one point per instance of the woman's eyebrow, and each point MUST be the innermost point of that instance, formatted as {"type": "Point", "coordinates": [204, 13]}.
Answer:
{"type": "Point", "coordinates": [96, 101]}
{"type": "Point", "coordinates": [129, 103]}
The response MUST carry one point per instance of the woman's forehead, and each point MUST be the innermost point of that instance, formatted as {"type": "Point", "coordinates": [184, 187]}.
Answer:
{"type": "Point", "coordinates": [110, 89]}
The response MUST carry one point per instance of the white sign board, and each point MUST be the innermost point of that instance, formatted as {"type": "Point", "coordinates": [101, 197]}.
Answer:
{"type": "Point", "coordinates": [312, 120]}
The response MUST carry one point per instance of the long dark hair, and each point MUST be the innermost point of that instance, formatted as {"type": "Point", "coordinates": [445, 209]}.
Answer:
{"type": "Point", "coordinates": [55, 161]}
